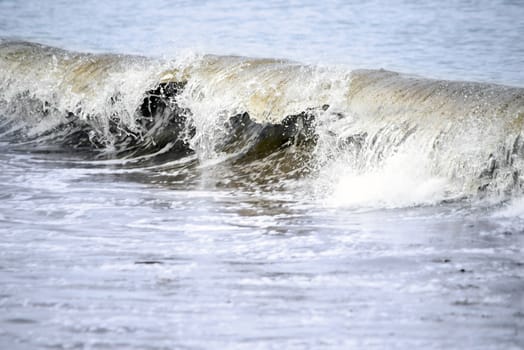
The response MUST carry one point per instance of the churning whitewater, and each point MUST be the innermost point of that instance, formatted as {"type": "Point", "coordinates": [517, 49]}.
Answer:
{"type": "Point", "coordinates": [396, 135]}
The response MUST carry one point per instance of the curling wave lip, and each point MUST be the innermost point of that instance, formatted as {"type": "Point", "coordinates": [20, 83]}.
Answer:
{"type": "Point", "coordinates": [464, 133]}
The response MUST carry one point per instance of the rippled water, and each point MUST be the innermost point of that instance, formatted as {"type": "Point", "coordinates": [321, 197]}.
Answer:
{"type": "Point", "coordinates": [97, 258]}
{"type": "Point", "coordinates": [472, 40]}
{"type": "Point", "coordinates": [194, 253]}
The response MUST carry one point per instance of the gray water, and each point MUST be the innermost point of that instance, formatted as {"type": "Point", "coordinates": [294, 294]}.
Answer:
{"type": "Point", "coordinates": [198, 254]}
{"type": "Point", "coordinates": [466, 40]}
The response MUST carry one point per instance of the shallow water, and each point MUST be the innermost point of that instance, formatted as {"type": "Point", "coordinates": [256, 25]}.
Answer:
{"type": "Point", "coordinates": [97, 258]}
{"type": "Point", "coordinates": [202, 251]}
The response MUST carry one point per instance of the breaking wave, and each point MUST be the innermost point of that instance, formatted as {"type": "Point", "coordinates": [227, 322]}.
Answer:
{"type": "Point", "coordinates": [363, 137]}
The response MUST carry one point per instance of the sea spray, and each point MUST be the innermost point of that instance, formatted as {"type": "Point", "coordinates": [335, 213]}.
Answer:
{"type": "Point", "coordinates": [369, 137]}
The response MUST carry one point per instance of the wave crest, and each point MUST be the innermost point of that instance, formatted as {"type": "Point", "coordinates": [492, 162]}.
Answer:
{"type": "Point", "coordinates": [335, 123]}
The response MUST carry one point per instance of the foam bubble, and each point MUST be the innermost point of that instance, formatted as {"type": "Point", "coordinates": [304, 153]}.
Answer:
{"type": "Point", "coordinates": [403, 181]}
{"type": "Point", "coordinates": [513, 209]}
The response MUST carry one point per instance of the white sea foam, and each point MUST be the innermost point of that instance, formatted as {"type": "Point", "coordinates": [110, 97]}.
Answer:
{"type": "Point", "coordinates": [400, 182]}
{"type": "Point", "coordinates": [513, 209]}
{"type": "Point", "coordinates": [383, 138]}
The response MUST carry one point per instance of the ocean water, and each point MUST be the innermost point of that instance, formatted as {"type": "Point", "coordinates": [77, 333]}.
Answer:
{"type": "Point", "coordinates": [261, 175]}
